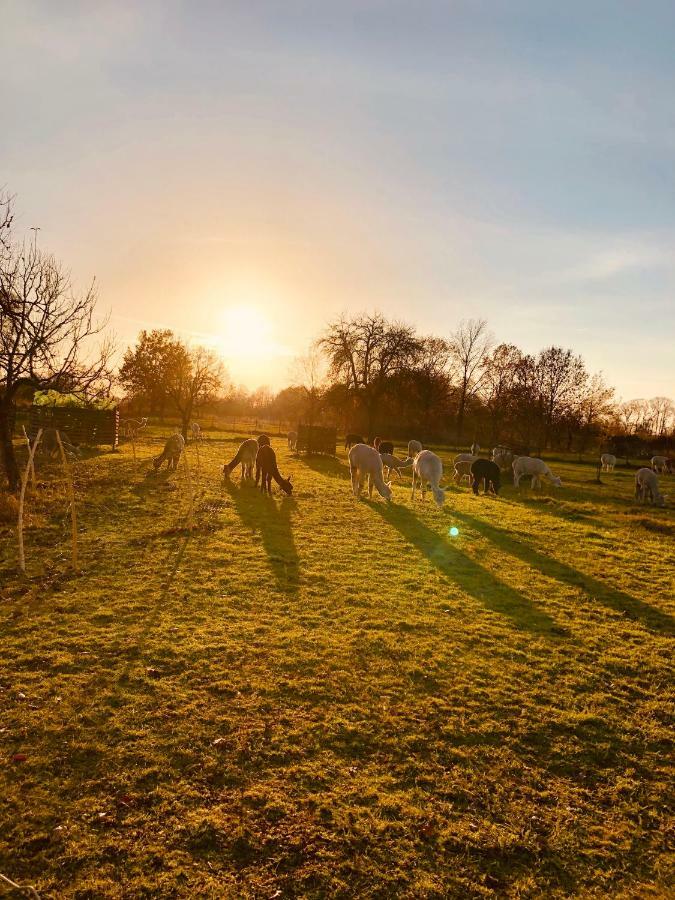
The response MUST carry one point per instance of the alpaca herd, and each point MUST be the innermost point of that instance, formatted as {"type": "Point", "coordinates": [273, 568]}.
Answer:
{"type": "Point", "coordinates": [372, 464]}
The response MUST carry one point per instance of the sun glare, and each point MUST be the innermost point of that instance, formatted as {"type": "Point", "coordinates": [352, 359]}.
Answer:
{"type": "Point", "coordinates": [247, 332]}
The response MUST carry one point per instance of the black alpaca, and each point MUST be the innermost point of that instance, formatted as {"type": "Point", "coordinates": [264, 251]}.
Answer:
{"type": "Point", "coordinates": [386, 447]}
{"type": "Point", "coordinates": [263, 440]}
{"type": "Point", "coordinates": [351, 439]}
{"type": "Point", "coordinates": [488, 472]}
{"type": "Point", "coordinates": [266, 465]}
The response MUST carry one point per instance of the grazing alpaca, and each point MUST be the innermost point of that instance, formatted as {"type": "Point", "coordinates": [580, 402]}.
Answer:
{"type": "Point", "coordinates": [608, 461]}
{"type": "Point", "coordinates": [428, 468]}
{"type": "Point", "coordinates": [487, 471]}
{"type": "Point", "coordinates": [196, 431]}
{"type": "Point", "coordinates": [263, 440]}
{"type": "Point", "coordinates": [661, 464]}
{"type": "Point", "coordinates": [414, 447]}
{"type": "Point", "coordinates": [463, 457]}
{"type": "Point", "coordinates": [292, 440]}
{"type": "Point", "coordinates": [463, 470]}
{"type": "Point", "coordinates": [503, 457]}
{"type": "Point", "coordinates": [171, 453]}
{"type": "Point", "coordinates": [266, 465]}
{"type": "Point", "coordinates": [537, 468]}
{"type": "Point", "coordinates": [245, 455]}
{"type": "Point", "coordinates": [352, 439]}
{"type": "Point", "coordinates": [392, 464]}
{"type": "Point", "coordinates": [366, 462]}
{"type": "Point", "coordinates": [647, 488]}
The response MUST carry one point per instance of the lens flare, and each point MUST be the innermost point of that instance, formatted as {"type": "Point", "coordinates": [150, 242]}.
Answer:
{"type": "Point", "coordinates": [453, 531]}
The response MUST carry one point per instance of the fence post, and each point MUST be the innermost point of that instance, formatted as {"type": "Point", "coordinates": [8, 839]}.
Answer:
{"type": "Point", "coordinates": [30, 458]}
{"type": "Point", "coordinates": [22, 498]}
{"type": "Point", "coordinates": [71, 493]}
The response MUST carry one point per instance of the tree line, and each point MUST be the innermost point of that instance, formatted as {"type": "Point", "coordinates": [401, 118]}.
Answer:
{"type": "Point", "coordinates": [364, 373]}
{"type": "Point", "coordinates": [369, 374]}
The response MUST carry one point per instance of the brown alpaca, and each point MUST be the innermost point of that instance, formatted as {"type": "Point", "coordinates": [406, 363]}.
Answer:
{"type": "Point", "coordinates": [266, 465]}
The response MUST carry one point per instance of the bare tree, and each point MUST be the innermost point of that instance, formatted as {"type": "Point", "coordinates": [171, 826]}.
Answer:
{"type": "Point", "coordinates": [364, 352]}
{"type": "Point", "coordinates": [196, 378]}
{"type": "Point", "coordinates": [561, 378]}
{"type": "Point", "coordinates": [46, 333]}
{"type": "Point", "coordinates": [501, 376]}
{"type": "Point", "coordinates": [6, 218]}
{"type": "Point", "coordinates": [308, 373]}
{"type": "Point", "coordinates": [469, 345]}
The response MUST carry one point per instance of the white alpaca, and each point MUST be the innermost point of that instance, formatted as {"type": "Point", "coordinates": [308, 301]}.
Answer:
{"type": "Point", "coordinates": [171, 452]}
{"type": "Point", "coordinates": [463, 470]}
{"type": "Point", "coordinates": [366, 463]}
{"type": "Point", "coordinates": [464, 457]}
{"type": "Point", "coordinates": [503, 457]}
{"type": "Point", "coordinates": [394, 464]}
{"type": "Point", "coordinates": [246, 454]}
{"type": "Point", "coordinates": [428, 467]}
{"type": "Point", "coordinates": [660, 464]}
{"type": "Point", "coordinates": [537, 468]}
{"type": "Point", "coordinates": [196, 431]}
{"type": "Point", "coordinates": [292, 440]}
{"type": "Point", "coordinates": [647, 488]}
{"type": "Point", "coordinates": [414, 447]}
{"type": "Point", "coordinates": [608, 461]}
{"type": "Point", "coordinates": [475, 448]}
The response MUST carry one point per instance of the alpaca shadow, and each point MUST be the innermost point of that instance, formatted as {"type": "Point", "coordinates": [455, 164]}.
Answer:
{"type": "Point", "coordinates": [547, 565]}
{"type": "Point", "coordinates": [551, 507]}
{"type": "Point", "coordinates": [271, 518]}
{"type": "Point", "coordinates": [330, 466]}
{"type": "Point", "coordinates": [156, 481]}
{"type": "Point", "coordinates": [471, 577]}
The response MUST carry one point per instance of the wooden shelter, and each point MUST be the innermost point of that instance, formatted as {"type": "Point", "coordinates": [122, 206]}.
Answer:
{"type": "Point", "coordinates": [316, 439]}
{"type": "Point", "coordinates": [83, 425]}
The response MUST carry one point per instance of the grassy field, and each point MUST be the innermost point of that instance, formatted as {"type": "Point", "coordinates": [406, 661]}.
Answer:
{"type": "Point", "coordinates": [322, 697]}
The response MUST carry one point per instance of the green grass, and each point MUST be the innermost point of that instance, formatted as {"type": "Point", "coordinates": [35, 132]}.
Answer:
{"type": "Point", "coordinates": [318, 696]}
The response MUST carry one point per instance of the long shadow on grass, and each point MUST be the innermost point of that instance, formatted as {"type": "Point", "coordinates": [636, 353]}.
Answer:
{"type": "Point", "coordinates": [272, 518]}
{"type": "Point", "coordinates": [330, 466]}
{"type": "Point", "coordinates": [547, 565]}
{"type": "Point", "coordinates": [473, 578]}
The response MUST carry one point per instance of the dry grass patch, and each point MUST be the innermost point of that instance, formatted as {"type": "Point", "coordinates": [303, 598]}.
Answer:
{"type": "Point", "coordinates": [323, 697]}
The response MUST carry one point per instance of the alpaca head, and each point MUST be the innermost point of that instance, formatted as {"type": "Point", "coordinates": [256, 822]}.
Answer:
{"type": "Point", "coordinates": [439, 496]}
{"type": "Point", "coordinates": [556, 481]}
{"type": "Point", "coordinates": [286, 485]}
{"type": "Point", "coordinates": [226, 470]}
{"type": "Point", "coordinates": [263, 440]}
{"type": "Point", "coordinates": [386, 491]}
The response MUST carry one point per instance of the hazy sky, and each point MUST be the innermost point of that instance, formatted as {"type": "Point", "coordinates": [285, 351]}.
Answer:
{"type": "Point", "coordinates": [241, 172]}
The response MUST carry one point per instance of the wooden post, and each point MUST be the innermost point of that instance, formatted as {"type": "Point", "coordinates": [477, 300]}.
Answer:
{"type": "Point", "coordinates": [189, 486]}
{"type": "Point", "coordinates": [32, 464]}
{"type": "Point", "coordinates": [22, 498]}
{"type": "Point", "coordinates": [71, 495]}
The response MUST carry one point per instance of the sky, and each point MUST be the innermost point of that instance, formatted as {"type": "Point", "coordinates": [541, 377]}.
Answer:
{"type": "Point", "coordinates": [242, 172]}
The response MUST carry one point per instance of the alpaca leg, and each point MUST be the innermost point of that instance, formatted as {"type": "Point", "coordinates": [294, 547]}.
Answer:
{"type": "Point", "coordinates": [474, 486]}
{"type": "Point", "coordinates": [412, 496]}
{"type": "Point", "coordinates": [370, 486]}
{"type": "Point", "coordinates": [356, 487]}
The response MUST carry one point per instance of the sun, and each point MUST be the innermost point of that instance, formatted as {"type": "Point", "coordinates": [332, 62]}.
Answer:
{"type": "Point", "coordinates": [246, 332]}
